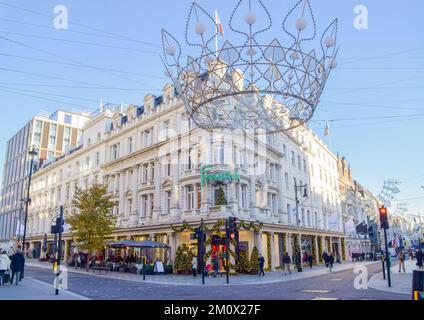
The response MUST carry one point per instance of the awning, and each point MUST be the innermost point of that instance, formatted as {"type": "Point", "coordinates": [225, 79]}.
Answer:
{"type": "Point", "coordinates": [137, 244]}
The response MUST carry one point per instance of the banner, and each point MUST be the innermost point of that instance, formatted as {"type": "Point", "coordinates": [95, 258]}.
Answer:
{"type": "Point", "coordinates": [362, 228]}
{"type": "Point", "coordinates": [350, 226]}
{"type": "Point", "coordinates": [20, 228]}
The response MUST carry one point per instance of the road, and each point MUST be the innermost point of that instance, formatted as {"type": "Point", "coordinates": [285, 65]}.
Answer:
{"type": "Point", "coordinates": [334, 285]}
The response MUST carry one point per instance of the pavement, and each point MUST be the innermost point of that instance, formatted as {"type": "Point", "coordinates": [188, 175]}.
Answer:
{"type": "Point", "coordinates": [33, 289]}
{"type": "Point", "coordinates": [401, 282]}
{"type": "Point", "coordinates": [188, 280]}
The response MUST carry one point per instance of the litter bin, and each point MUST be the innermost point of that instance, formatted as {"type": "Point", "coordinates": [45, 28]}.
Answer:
{"type": "Point", "coordinates": [417, 285]}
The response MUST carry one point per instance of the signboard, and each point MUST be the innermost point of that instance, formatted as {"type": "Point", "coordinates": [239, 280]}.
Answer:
{"type": "Point", "coordinates": [206, 175]}
{"type": "Point", "coordinates": [217, 240]}
{"type": "Point", "coordinates": [159, 268]}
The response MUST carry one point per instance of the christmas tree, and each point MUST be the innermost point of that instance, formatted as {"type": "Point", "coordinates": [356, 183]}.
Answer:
{"type": "Point", "coordinates": [242, 262]}
{"type": "Point", "coordinates": [220, 200]}
{"type": "Point", "coordinates": [254, 260]}
{"type": "Point", "coordinates": [183, 259]}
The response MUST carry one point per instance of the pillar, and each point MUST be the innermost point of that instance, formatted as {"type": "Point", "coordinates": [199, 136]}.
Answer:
{"type": "Point", "coordinates": [331, 245]}
{"type": "Point", "coordinates": [299, 244]}
{"type": "Point", "coordinates": [289, 244]}
{"type": "Point", "coordinates": [317, 253]}
{"type": "Point", "coordinates": [272, 245]}
{"type": "Point", "coordinates": [340, 247]}
{"type": "Point", "coordinates": [324, 245]}
{"type": "Point", "coordinates": [258, 241]}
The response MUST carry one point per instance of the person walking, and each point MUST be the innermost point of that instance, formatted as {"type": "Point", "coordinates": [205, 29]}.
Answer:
{"type": "Point", "coordinates": [215, 265]}
{"type": "Point", "coordinates": [17, 265]}
{"type": "Point", "coordinates": [330, 261]}
{"type": "Point", "coordinates": [4, 266]}
{"type": "Point", "coordinates": [194, 265]}
{"type": "Point", "coordinates": [325, 258]}
{"type": "Point", "coordinates": [261, 265]}
{"type": "Point", "coordinates": [401, 258]}
{"type": "Point", "coordinates": [419, 257]}
{"type": "Point", "coordinates": [310, 260]}
{"type": "Point", "coordinates": [286, 263]}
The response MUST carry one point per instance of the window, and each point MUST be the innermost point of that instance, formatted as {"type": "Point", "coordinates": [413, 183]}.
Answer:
{"type": "Point", "coordinates": [152, 171]}
{"type": "Point", "coordinates": [66, 138]}
{"type": "Point", "coordinates": [303, 216]}
{"type": "Point", "coordinates": [68, 119]}
{"type": "Point", "coordinates": [219, 152]}
{"type": "Point", "coordinates": [87, 163]}
{"type": "Point", "coordinates": [130, 145]}
{"type": "Point", "coordinates": [97, 158]}
{"type": "Point", "coordinates": [145, 171]}
{"type": "Point", "coordinates": [52, 136]}
{"type": "Point", "coordinates": [37, 132]}
{"type": "Point", "coordinates": [244, 196]}
{"type": "Point", "coordinates": [166, 128]}
{"type": "Point", "coordinates": [115, 151]}
{"type": "Point", "coordinates": [286, 179]}
{"type": "Point", "coordinates": [308, 217]}
{"type": "Point", "coordinates": [289, 215]}
{"type": "Point", "coordinates": [168, 195]}
{"type": "Point", "coordinates": [189, 198]}
{"type": "Point", "coordinates": [168, 166]}
{"type": "Point", "coordinates": [99, 136]}
{"type": "Point", "coordinates": [50, 155]}
{"type": "Point", "coordinates": [68, 171]}
{"type": "Point", "coordinates": [304, 165]}
{"type": "Point", "coordinates": [293, 159]}
{"type": "Point", "coordinates": [199, 196]}
{"type": "Point", "coordinates": [298, 162]}
{"type": "Point", "coordinates": [316, 219]}
{"type": "Point", "coordinates": [129, 205]}
{"type": "Point", "coordinates": [189, 160]}
{"type": "Point", "coordinates": [144, 205]}
{"type": "Point", "coordinates": [285, 151]}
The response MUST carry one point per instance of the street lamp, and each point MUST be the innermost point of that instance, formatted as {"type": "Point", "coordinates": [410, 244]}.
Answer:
{"type": "Point", "coordinates": [32, 154]}
{"type": "Point", "coordinates": [298, 250]}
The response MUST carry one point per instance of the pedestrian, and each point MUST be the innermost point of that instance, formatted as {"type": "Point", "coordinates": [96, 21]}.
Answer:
{"type": "Point", "coordinates": [78, 262]}
{"type": "Point", "coordinates": [194, 265]}
{"type": "Point", "coordinates": [419, 257]}
{"type": "Point", "coordinates": [17, 265]}
{"type": "Point", "coordinates": [261, 261]}
{"type": "Point", "coordinates": [339, 259]}
{"type": "Point", "coordinates": [215, 265]}
{"type": "Point", "coordinates": [4, 266]}
{"type": "Point", "coordinates": [331, 261]}
{"type": "Point", "coordinates": [325, 258]}
{"type": "Point", "coordinates": [286, 263]}
{"type": "Point", "coordinates": [310, 260]}
{"type": "Point", "coordinates": [401, 258]}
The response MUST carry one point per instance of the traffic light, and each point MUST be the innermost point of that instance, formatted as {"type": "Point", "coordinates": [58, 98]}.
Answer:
{"type": "Point", "coordinates": [232, 228]}
{"type": "Point", "coordinates": [384, 221]}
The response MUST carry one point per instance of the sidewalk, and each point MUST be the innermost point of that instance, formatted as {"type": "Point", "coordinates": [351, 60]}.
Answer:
{"type": "Point", "coordinates": [401, 282]}
{"type": "Point", "coordinates": [33, 289]}
{"type": "Point", "coordinates": [189, 280]}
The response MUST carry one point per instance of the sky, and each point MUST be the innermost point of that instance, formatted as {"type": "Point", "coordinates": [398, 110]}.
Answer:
{"type": "Point", "coordinates": [111, 50]}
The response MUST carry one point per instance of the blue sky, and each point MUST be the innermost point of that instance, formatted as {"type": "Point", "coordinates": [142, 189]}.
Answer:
{"type": "Point", "coordinates": [117, 45]}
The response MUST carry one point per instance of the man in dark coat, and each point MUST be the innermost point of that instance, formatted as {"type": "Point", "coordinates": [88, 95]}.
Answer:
{"type": "Point", "coordinates": [325, 258]}
{"type": "Point", "coordinates": [17, 265]}
{"type": "Point", "coordinates": [261, 265]}
{"type": "Point", "coordinates": [419, 257]}
{"type": "Point", "coordinates": [310, 260]}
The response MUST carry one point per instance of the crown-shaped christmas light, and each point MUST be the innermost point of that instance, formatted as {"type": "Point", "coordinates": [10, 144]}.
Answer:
{"type": "Point", "coordinates": [252, 85]}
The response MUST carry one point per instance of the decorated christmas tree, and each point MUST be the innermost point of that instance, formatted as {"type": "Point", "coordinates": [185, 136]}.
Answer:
{"type": "Point", "coordinates": [220, 200]}
{"type": "Point", "coordinates": [254, 260]}
{"type": "Point", "coordinates": [183, 259]}
{"type": "Point", "coordinates": [242, 262]}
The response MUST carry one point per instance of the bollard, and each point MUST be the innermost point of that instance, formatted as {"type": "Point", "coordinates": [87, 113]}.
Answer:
{"type": "Point", "coordinates": [417, 285]}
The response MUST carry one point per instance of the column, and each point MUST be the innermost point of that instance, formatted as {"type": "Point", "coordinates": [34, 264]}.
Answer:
{"type": "Point", "coordinates": [289, 244]}
{"type": "Point", "coordinates": [272, 245]}
{"type": "Point", "coordinates": [330, 249]}
{"type": "Point", "coordinates": [258, 241]}
{"type": "Point", "coordinates": [317, 253]}
{"type": "Point", "coordinates": [339, 243]}
{"type": "Point", "coordinates": [299, 244]}
{"type": "Point", "coordinates": [344, 249]}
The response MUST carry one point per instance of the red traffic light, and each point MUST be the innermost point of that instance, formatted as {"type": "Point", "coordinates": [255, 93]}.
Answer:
{"type": "Point", "coordinates": [232, 235]}
{"type": "Point", "coordinates": [383, 210]}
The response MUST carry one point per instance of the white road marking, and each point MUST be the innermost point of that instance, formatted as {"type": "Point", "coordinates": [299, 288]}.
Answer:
{"type": "Point", "coordinates": [315, 291]}
{"type": "Point", "coordinates": [324, 298]}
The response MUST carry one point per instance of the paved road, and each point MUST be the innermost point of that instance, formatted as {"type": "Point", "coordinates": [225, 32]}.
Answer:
{"type": "Point", "coordinates": [334, 285]}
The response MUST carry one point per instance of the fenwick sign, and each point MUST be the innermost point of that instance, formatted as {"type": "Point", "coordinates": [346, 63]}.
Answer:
{"type": "Point", "coordinates": [206, 175]}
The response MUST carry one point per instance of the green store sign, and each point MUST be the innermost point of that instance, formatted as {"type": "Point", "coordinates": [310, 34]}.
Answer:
{"type": "Point", "coordinates": [206, 175]}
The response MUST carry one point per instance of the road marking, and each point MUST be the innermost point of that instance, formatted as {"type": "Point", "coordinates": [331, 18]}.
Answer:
{"type": "Point", "coordinates": [315, 291]}
{"type": "Point", "coordinates": [324, 298]}
{"type": "Point", "coordinates": [336, 279]}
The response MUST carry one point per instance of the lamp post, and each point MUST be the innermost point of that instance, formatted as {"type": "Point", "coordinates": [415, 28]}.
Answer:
{"type": "Point", "coordinates": [298, 250]}
{"type": "Point", "coordinates": [27, 200]}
